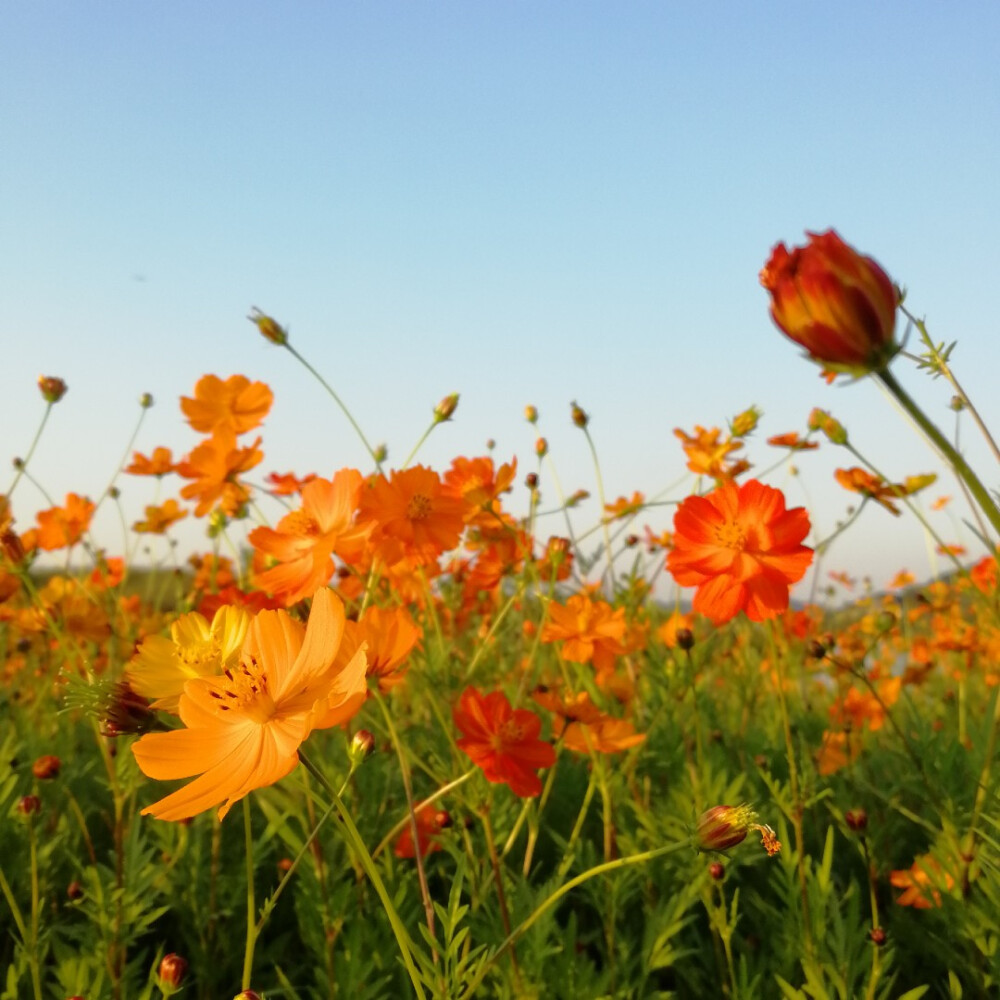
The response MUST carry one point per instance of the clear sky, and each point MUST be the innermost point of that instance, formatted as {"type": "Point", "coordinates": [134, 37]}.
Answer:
{"type": "Point", "coordinates": [522, 202]}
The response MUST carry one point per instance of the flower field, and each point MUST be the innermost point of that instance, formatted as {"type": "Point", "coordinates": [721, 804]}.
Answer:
{"type": "Point", "coordinates": [407, 731]}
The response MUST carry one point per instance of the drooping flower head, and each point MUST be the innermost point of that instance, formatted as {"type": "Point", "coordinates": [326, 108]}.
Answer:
{"type": "Point", "coordinates": [244, 727]}
{"type": "Point", "coordinates": [838, 304]}
{"type": "Point", "coordinates": [741, 548]}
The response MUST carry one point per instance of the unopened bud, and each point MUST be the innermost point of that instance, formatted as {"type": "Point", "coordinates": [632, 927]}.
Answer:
{"type": "Point", "coordinates": [270, 329]}
{"type": "Point", "coordinates": [878, 936]}
{"type": "Point", "coordinates": [362, 747]}
{"type": "Point", "coordinates": [146, 400]}
{"type": "Point", "coordinates": [74, 891]}
{"type": "Point", "coordinates": [444, 410]}
{"type": "Point", "coordinates": [717, 870]}
{"type": "Point", "coordinates": [631, 541]}
{"type": "Point", "coordinates": [531, 480]}
{"type": "Point", "coordinates": [578, 497]}
{"type": "Point", "coordinates": [957, 404]}
{"type": "Point", "coordinates": [381, 453]}
{"type": "Point", "coordinates": [531, 414]}
{"type": "Point", "coordinates": [745, 422]}
{"type": "Point", "coordinates": [684, 638]}
{"type": "Point", "coordinates": [856, 819]}
{"type": "Point", "coordinates": [580, 418]}
{"type": "Point", "coordinates": [29, 805]}
{"type": "Point", "coordinates": [52, 389]}
{"type": "Point", "coordinates": [172, 971]}
{"type": "Point", "coordinates": [248, 995]}
{"type": "Point", "coordinates": [46, 768]}
{"type": "Point", "coordinates": [541, 447]}
{"type": "Point", "coordinates": [820, 420]}
{"type": "Point", "coordinates": [723, 827]}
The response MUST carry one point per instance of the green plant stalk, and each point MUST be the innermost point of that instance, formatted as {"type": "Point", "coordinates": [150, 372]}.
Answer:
{"type": "Point", "coordinates": [357, 844]}
{"type": "Point", "coordinates": [251, 938]}
{"type": "Point", "coordinates": [944, 447]}
{"type": "Point", "coordinates": [404, 771]}
{"type": "Point", "coordinates": [23, 465]}
{"type": "Point", "coordinates": [551, 900]}
{"type": "Point", "coordinates": [983, 789]}
{"type": "Point", "coordinates": [333, 395]}
{"type": "Point", "coordinates": [601, 498]}
{"type": "Point", "coordinates": [793, 781]}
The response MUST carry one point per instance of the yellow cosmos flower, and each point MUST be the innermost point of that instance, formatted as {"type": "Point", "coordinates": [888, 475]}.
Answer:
{"type": "Point", "coordinates": [161, 667]}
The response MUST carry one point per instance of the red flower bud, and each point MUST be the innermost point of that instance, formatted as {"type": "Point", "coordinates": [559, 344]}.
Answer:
{"type": "Point", "coordinates": [52, 389]}
{"type": "Point", "coordinates": [173, 969]}
{"type": "Point", "coordinates": [46, 767]}
{"type": "Point", "coordinates": [838, 304]}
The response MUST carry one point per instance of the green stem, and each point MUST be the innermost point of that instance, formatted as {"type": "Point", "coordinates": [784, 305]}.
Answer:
{"type": "Point", "coordinates": [333, 395]}
{"type": "Point", "coordinates": [357, 844]}
{"type": "Point", "coordinates": [944, 447]}
{"type": "Point", "coordinates": [23, 465]}
{"type": "Point", "coordinates": [550, 901]}
{"type": "Point", "coordinates": [251, 939]}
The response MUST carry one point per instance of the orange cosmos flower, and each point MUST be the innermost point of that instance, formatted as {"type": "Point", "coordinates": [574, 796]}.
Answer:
{"type": "Point", "coordinates": [875, 488]}
{"type": "Point", "coordinates": [244, 728]}
{"type": "Point", "coordinates": [792, 441]}
{"type": "Point", "coordinates": [623, 507]}
{"type": "Point", "coordinates": [708, 456]}
{"type": "Point", "coordinates": [215, 466]}
{"type": "Point", "coordinates": [474, 482]}
{"type": "Point", "coordinates": [284, 484]}
{"type": "Point", "coordinates": [741, 548]}
{"type": "Point", "coordinates": [837, 304]}
{"type": "Point", "coordinates": [922, 882]}
{"type": "Point", "coordinates": [592, 632]}
{"type": "Point", "coordinates": [63, 527]}
{"type": "Point", "coordinates": [160, 518]}
{"type": "Point", "coordinates": [231, 407]}
{"type": "Point", "coordinates": [159, 464]}
{"type": "Point", "coordinates": [414, 514]}
{"type": "Point", "coordinates": [389, 636]}
{"type": "Point", "coordinates": [306, 540]}
{"type": "Point", "coordinates": [503, 741]}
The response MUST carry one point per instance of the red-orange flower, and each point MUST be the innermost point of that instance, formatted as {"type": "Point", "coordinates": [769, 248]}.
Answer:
{"type": "Point", "coordinates": [503, 741]}
{"type": "Point", "coordinates": [306, 540]}
{"type": "Point", "coordinates": [792, 441]}
{"type": "Point", "coordinates": [474, 482]}
{"type": "Point", "coordinates": [62, 527]}
{"type": "Point", "coordinates": [231, 407]}
{"type": "Point", "coordinates": [922, 883]}
{"type": "Point", "coordinates": [741, 548]}
{"type": "Point", "coordinates": [839, 305]}
{"type": "Point", "coordinates": [431, 821]}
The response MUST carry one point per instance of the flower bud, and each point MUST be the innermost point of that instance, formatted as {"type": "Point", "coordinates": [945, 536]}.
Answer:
{"type": "Point", "coordinates": [531, 414]}
{"type": "Point", "coordinates": [684, 638]}
{"type": "Point", "coordinates": [172, 971]}
{"type": "Point", "coordinates": [580, 418]}
{"type": "Point", "coordinates": [820, 420]}
{"type": "Point", "coordinates": [816, 649]}
{"type": "Point", "coordinates": [361, 748]}
{"type": "Point", "coordinates": [52, 389]}
{"type": "Point", "coordinates": [381, 453]}
{"type": "Point", "coordinates": [878, 936]}
{"type": "Point", "coordinates": [577, 498]}
{"type": "Point", "coordinates": [29, 805]}
{"type": "Point", "coordinates": [717, 870]}
{"type": "Point", "coordinates": [248, 995]}
{"type": "Point", "coordinates": [723, 827]}
{"type": "Point", "coordinates": [74, 891]}
{"type": "Point", "coordinates": [269, 328]}
{"type": "Point", "coordinates": [856, 819]}
{"type": "Point", "coordinates": [541, 447]}
{"type": "Point", "coordinates": [146, 400]}
{"type": "Point", "coordinates": [444, 410]}
{"type": "Point", "coordinates": [745, 422]}
{"type": "Point", "coordinates": [836, 303]}
{"type": "Point", "coordinates": [531, 480]}
{"type": "Point", "coordinates": [46, 768]}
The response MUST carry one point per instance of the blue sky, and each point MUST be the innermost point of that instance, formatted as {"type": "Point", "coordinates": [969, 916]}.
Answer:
{"type": "Point", "coordinates": [519, 202]}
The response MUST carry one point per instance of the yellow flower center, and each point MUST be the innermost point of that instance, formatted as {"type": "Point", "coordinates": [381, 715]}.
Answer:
{"type": "Point", "coordinates": [200, 659]}
{"type": "Point", "coordinates": [300, 523]}
{"type": "Point", "coordinates": [246, 691]}
{"type": "Point", "coordinates": [419, 507]}
{"type": "Point", "coordinates": [731, 535]}
{"type": "Point", "coordinates": [508, 733]}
